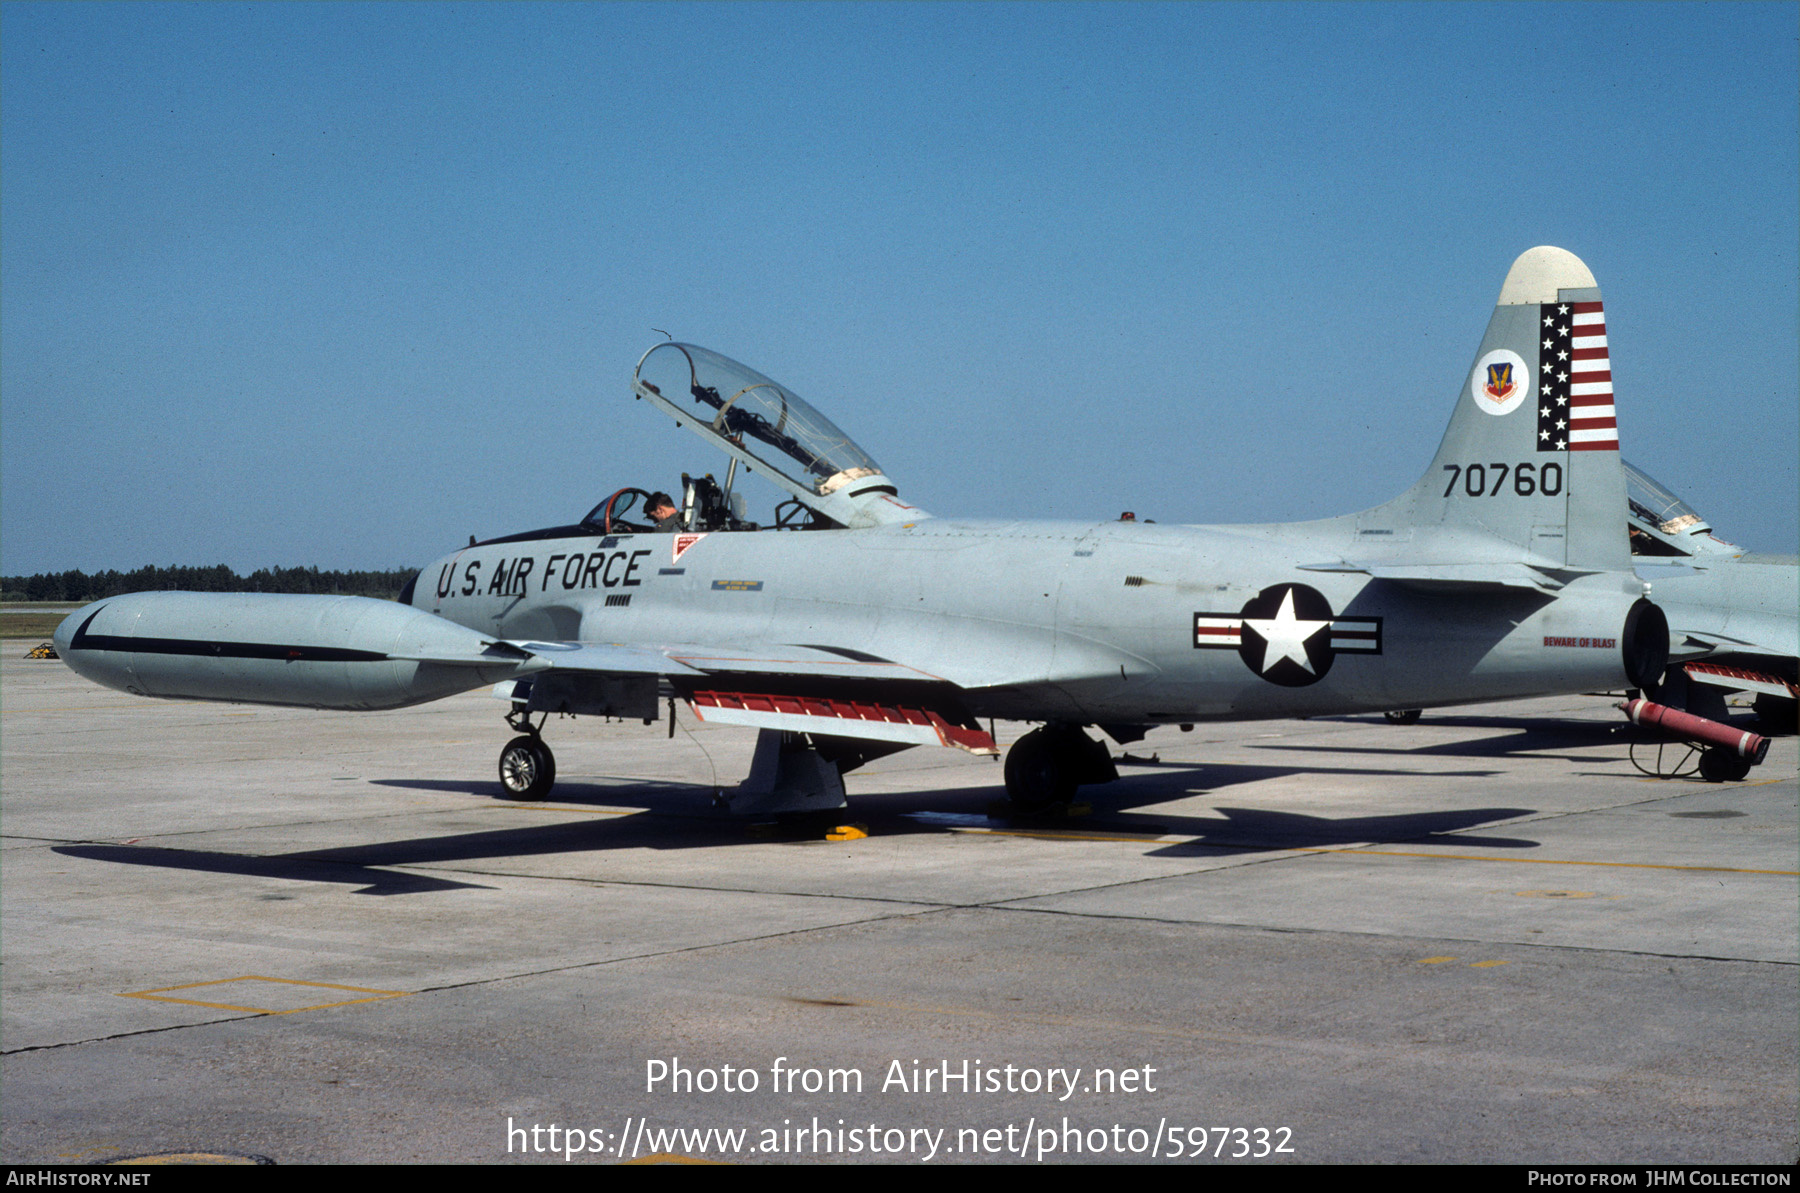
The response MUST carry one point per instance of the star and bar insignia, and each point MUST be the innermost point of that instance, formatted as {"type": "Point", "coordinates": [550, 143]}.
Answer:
{"type": "Point", "coordinates": [1288, 634]}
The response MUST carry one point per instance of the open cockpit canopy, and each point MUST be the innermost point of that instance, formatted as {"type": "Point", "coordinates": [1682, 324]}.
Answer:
{"type": "Point", "coordinates": [769, 429]}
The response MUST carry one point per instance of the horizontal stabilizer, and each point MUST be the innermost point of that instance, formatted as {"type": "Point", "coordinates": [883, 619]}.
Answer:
{"type": "Point", "coordinates": [1697, 643]}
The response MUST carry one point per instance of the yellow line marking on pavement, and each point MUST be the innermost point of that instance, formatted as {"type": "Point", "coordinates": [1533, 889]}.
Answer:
{"type": "Point", "coordinates": [1547, 861]}
{"type": "Point", "coordinates": [1485, 964]}
{"type": "Point", "coordinates": [1724, 786]}
{"type": "Point", "coordinates": [1434, 960]}
{"type": "Point", "coordinates": [156, 995]}
{"type": "Point", "coordinates": [1086, 1023]}
{"type": "Point", "coordinates": [1053, 835]}
{"type": "Point", "coordinates": [187, 1158]}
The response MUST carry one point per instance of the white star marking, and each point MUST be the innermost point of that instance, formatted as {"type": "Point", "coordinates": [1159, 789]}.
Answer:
{"type": "Point", "coordinates": [1549, 343]}
{"type": "Point", "coordinates": [1562, 310]}
{"type": "Point", "coordinates": [1548, 320]}
{"type": "Point", "coordinates": [1543, 434]}
{"type": "Point", "coordinates": [1285, 635]}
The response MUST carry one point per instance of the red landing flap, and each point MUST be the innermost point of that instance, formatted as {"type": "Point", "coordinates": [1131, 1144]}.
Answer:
{"type": "Point", "coordinates": [841, 718]}
{"type": "Point", "coordinates": [1739, 680]}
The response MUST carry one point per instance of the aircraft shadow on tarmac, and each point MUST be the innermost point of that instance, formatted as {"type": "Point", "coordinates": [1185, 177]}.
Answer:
{"type": "Point", "coordinates": [675, 816]}
{"type": "Point", "coordinates": [1540, 739]}
{"type": "Point", "coordinates": [302, 867]}
{"type": "Point", "coordinates": [1264, 830]}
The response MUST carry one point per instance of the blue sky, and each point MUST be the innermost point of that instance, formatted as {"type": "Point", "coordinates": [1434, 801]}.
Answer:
{"type": "Point", "coordinates": [343, 284]}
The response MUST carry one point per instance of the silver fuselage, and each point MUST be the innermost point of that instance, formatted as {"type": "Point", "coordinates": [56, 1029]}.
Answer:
{"type": "Point", "coordinates": [1090, 622]}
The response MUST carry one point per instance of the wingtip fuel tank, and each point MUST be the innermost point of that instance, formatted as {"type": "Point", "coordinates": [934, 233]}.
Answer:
{"type": "Point", "coordinates": [338, 652]}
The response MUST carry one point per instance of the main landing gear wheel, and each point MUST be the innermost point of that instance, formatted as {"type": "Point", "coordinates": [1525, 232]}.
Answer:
{"type": "Point", "coordinates": [527, 768]}
{"type": "Point", "coordinates": [1046, 765]}
{"type": "Point", "coordinates": [1037, 774]}
{"type": "Point", "coordinates": [1403, 716]}
{"type": "Point", "coordinates": [1723, 766]}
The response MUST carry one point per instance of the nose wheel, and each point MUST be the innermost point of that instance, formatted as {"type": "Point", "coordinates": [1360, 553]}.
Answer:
{"type": "Point", "coordinates": [527, 767]}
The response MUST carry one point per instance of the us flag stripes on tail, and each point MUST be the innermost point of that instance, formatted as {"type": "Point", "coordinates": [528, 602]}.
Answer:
{"type": "Point", "coordinates": [1575, 397]}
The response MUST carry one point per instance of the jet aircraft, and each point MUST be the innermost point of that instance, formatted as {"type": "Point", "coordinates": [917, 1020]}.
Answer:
{"type": "Point", "coordinates": [853, 624]}
{"type": "Point", "coordinates": [1734, 615]}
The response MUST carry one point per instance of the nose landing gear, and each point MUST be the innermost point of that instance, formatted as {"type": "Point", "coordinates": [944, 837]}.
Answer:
{"type": "Point", "coordinates": [527, 767]}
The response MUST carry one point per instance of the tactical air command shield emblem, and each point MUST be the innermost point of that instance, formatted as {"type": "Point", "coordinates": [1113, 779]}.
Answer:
{"type": "Point", "coordinates": [1500, 381]}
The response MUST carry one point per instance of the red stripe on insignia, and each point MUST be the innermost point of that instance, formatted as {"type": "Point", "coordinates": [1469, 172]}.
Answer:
{"type": "Point", "coordinates": [1591, 400]}
{"type": "Point", "coordinates": [1592, 424]}
{"type": "Point", "coordinates": [1207, 629]}
{"type": "Point", "coordinates": [1584, 308]}
{"type": "Point", "coordinates": [1598, 445]}
{"type": "Point", "coordinates": [1588, 353]}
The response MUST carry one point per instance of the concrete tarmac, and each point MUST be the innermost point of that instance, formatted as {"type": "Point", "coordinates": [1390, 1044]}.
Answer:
{"type": "Point", "coordinates": [325, 937]}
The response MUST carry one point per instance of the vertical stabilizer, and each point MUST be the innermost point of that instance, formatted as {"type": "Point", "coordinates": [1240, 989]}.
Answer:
{"type": "Point", "coordinates": [1531, 455]}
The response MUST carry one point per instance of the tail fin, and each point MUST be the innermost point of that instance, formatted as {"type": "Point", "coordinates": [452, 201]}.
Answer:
{"type": "Point", "coordinates": [1531, 456]}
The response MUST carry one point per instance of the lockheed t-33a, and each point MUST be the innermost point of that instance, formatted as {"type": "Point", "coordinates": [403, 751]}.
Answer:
{"type": "Point", "coordinates": [852, 624]}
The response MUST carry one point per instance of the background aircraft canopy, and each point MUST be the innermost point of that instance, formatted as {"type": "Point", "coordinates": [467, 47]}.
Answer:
{"type": "Point", "coordinates": [1664, 524]}
{"type": "Point", "coordinates": [768, 426]}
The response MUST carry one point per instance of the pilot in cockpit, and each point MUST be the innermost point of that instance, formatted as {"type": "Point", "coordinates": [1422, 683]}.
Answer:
{"type": "Point", "coordinates": [661, 508]}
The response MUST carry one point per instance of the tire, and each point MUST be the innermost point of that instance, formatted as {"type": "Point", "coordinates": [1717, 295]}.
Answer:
{"type": "Point", "coordinates": [527, 768]}
{"type": "Point", "coordinates": [1038, 772]}
{"type": "Point", "coordinates": [1404, 716]}
{"type": "Point", "coordinates": [1723, 766]}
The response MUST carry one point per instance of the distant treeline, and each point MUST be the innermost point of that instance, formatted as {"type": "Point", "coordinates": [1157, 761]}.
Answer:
{"type": "Point", "coordinates": [79, 586]}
